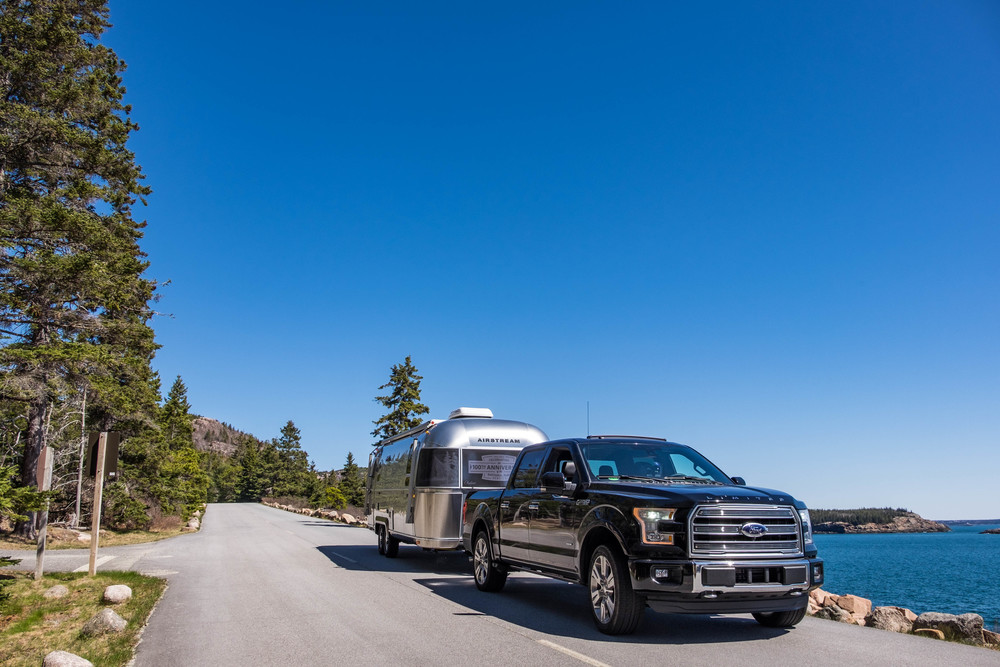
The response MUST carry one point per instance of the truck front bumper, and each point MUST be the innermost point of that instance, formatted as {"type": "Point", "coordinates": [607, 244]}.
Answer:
{"type": "Point", "coordinates": [726, 586]}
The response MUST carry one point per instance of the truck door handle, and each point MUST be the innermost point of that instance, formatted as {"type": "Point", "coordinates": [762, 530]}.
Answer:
{"type": "Point", "coordinates": [505, 504]}
{"type": "Point", "coordinates": [532, 506]}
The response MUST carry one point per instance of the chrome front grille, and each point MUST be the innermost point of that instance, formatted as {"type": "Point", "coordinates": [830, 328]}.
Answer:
{"type": "Point", "coordinates": [717, 531]}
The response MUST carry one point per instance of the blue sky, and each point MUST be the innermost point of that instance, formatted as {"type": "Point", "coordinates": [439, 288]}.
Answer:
{"type": "Point", "coordinates": [767, 230]}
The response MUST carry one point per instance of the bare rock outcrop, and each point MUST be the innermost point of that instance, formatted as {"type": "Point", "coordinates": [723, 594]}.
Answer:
{"type": "Point", "coordinates": [843, 608]}
{"type": "Point", "coordinates": [210, 435]}
{"type": "Point", "coordinates": [893, 619]}
{"type": "Point", "coordinates": [906, 523]}
{"type": "Point", "coordinates": [65, 659]}
{"type": "Point", "coordinates": [966, 627]}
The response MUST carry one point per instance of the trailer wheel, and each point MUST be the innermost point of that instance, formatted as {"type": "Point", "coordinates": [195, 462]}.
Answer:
{"type": "Point", "coordinates": [380, 532]}
{"type": "Point", "coordinates": [615, 606]}
{"type": "Point", "coordinates": [490, 577]}
{"type": "Point", "coordinates": [780, 619]}
{"type": "Point", "coordinates": [391, 544]}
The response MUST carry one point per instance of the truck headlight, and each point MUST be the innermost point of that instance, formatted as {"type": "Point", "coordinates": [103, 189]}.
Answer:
{"type": "Point", "coordinates": [649, 520]}
{"type": "Point", "coordinates": [807, 527]}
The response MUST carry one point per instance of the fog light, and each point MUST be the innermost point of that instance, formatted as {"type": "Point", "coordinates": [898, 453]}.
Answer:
{"type": "Point", "coordinates": [817, 573]}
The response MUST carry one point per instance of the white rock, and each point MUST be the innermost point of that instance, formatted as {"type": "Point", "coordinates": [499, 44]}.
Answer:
{"type": "Point", "coordinates": [117, 594]}
{"type": "Point", "coordinates": [106, 621]}
{"type": "Point", "coordinates": [65, 659]}
{"type": "Point", "coordinates": [56, 592]}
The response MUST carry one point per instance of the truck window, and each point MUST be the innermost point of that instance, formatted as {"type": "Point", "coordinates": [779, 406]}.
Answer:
{"type": "Point", "coordinates": [526, 475]}
{"type": "Point", "coordinates": [437, 467]}
{"type": "Point", "coordinates": [558, 456]}
{"type": "Point", "coordinates": [603, 467]}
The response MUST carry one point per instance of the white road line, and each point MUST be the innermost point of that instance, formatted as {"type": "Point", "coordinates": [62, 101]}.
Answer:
{"type": "Point", "coordinates": [573, 654]}
{"type": "Point", "coordinates": [349, 560]}
{"type": "Point", "coordinates": [99, 562]}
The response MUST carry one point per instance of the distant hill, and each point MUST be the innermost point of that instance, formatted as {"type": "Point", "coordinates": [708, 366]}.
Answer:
{"type": "Point", "coordinates": [214, 436]}
{"type": "Point", "coordinates": [873, 520]}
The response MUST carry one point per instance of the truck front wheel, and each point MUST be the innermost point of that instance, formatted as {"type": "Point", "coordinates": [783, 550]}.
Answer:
{"type": "Point", "coordinates": [489, 575]}
{"type": "Point", "coordinates": [616, 607]}
{"type": "Point", "coordinates": [780, 619]}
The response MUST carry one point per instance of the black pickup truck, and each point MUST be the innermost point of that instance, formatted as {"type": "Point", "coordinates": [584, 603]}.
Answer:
{"type": "Point", "coordinates": [643, 521]}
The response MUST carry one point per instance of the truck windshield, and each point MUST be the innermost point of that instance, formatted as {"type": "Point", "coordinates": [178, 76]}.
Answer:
{"type": "Point", "coordinates": [664, 463]}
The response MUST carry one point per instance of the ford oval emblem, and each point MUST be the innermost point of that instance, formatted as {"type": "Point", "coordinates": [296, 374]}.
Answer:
{"type": "Point", "coordinates": [753, 530]}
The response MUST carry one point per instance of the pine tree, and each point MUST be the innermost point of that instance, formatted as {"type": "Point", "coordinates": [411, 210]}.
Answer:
{"type": "Point", "coordinates": [251, 477]}
{"type": "Point", "coordinates": [352, 486]}
{"type": "Point", "coordinates": [403, 401]}
{"type": "Point", "coordinates": [74, 305]}
{"type": "Point", "coordinates": [293, 476]}
{"type": "Point", "coordinates": [175, 422]}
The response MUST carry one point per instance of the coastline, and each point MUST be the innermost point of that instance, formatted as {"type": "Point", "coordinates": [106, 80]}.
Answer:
{"type": "Point", "coordinates": [855, 610]}
{"type": "Point", "coordinates": [905, 523]}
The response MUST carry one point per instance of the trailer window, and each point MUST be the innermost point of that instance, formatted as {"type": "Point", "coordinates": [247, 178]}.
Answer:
{"type": "Point", "coordinates": [437, 467]}
{"type": "Point", "coordinates": [487, 468]}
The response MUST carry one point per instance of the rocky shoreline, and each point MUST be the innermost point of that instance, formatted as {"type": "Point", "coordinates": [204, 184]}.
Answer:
{"type": "Point", "coordinates": [965, 628]}
{"type": "Point", "coordinates": [907, 523]}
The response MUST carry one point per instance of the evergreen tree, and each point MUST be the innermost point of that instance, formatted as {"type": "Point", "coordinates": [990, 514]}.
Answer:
{"type": "Point", "coordinates": [333, 498]}
{"type": "Point", "coordinates": [352, 486]}
{"type": "Point", "coordinates": [74, 306]}
{"type": "Point", "coordinates": [402, 401]}
{"type": "Point", "coordinates": [251, 478]}
{"type": "Point", "coordinates": [293, 476]}
{"type": "Point", "coordinates": [175, 422]}
{"type": "Point", "coordinates": [223, 474]}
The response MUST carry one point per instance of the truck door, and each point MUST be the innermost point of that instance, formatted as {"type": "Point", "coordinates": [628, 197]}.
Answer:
{"type": "Point", "coordinates": [555, 518]}
{"type": "Point", "coordinates": [515, 510]}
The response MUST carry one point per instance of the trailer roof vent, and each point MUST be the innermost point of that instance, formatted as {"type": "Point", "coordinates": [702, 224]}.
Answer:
{"type": "Point", "coordinates": [463, 413]}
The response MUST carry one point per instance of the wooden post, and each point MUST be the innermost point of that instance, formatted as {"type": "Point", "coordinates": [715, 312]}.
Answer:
{"type": "Point", "coordinates": [95, 529]}
{"type": "Point", "coordinates": [44, 484]}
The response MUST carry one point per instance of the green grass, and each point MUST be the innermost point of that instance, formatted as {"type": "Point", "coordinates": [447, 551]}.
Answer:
{"type": "Point", "coordinates": [31, 626]}
{"type": "Point", "coordinates": [59, 539]}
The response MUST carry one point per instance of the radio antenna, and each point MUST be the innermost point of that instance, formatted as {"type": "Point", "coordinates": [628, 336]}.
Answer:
{"type": "Point", "coordinates": [588, 419]}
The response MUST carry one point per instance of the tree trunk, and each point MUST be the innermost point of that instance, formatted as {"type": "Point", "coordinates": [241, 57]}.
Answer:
{"type": "Point", "coordinates": [33, 446]}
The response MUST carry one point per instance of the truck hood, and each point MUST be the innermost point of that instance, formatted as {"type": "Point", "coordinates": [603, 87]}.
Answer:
{"type": "Point", "coordinates": [689, 494]}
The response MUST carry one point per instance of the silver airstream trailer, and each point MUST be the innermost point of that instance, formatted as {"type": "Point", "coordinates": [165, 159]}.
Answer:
{"type": "Point", "coordinates": [418, 480]}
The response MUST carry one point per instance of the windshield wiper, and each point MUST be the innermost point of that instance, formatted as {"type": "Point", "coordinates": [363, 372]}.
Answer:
{"type": "Point", "coordinates": [640, 477]}
{"type": "Point", "coordinates": [690, 478]}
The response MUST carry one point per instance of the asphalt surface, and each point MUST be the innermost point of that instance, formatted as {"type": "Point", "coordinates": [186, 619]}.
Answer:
{"type": "Point", "coordinates": [259, 586]}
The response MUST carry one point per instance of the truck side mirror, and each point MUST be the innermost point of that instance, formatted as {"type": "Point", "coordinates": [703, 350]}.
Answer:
{"type": "Point", "coordinates": [553, 481]}
{"type": "Point", "coordinates": [739, 481]}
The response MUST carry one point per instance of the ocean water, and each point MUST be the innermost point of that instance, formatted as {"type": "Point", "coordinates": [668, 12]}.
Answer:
{"type": "Point", "coordinates": [954, 572]}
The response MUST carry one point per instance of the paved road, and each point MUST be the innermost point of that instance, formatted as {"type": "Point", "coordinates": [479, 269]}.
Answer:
{"type": "Point", "coordinates": [258, 586]}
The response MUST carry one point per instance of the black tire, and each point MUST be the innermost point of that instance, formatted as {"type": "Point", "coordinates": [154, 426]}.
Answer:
{"type": "Point", "coordinates": [780, 619]}
{"type": "Point", "coordinates": [380, 531]}
{"type": "Point", "coordinates": [391, 544]}
{"type": "Point", "coordinates": [616, 608]}
{"type": "Point", "coordinates": [489, 576]}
